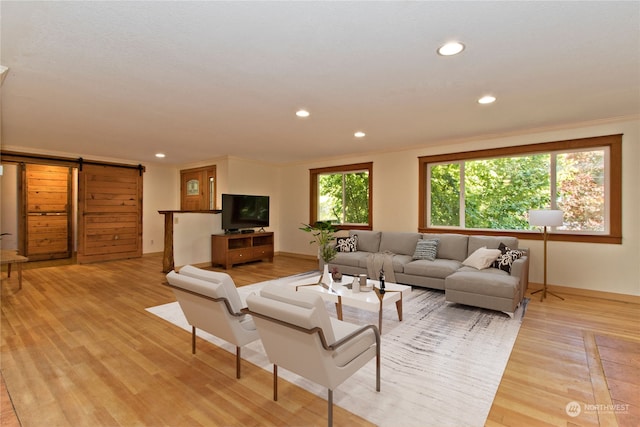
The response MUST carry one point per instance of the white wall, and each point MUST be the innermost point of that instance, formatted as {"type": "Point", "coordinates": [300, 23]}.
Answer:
{"type": "Point", "coordinates": [192, 237]}
{"type": "Point", "coordinates": [602, 267]}
{"type": "Point", "coordinates": [259, 179]}
{"type": "Point", "coordinates": [9, 206]}
{"type": "Point", "coordinates": [160, 191]}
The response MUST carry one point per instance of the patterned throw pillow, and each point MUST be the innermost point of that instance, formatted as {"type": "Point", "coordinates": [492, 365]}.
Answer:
{"type": "Point", "coordinates": [426, 249]}
{"type": "Point", "coordinates": [347, 244]}
{"type": "Point", "coordinates": [505, 261]}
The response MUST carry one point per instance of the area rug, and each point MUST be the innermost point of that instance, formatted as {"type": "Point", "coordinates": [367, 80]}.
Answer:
{"type": "Point", "coordinates": [441, 366]}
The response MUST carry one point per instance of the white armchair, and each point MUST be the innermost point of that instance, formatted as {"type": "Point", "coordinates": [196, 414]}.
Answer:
{"type": "Point", "coordinates": [298, 335]}
{"type": "Point", "coordinates": [210, 301]}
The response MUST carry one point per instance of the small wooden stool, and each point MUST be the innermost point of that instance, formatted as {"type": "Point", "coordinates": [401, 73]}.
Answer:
{"type": "Point", "coordinates": [11, 257]}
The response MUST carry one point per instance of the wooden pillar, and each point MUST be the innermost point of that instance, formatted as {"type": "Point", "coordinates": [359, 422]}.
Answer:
{"type": "Point", "coordinates": [167, 259]}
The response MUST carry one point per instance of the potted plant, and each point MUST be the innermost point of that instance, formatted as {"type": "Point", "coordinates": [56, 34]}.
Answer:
{"type": "Point", "coordinates": [323, 233]}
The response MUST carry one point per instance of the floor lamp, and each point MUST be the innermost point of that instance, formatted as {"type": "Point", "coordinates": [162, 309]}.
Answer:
{"type": "Point", "coordinates": [545, 218]}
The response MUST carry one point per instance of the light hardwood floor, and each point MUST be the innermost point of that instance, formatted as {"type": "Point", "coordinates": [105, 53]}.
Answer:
{"type": "Point", "coordinates": [79, 349]}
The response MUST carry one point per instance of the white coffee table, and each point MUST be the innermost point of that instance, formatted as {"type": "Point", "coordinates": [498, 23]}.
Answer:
{"type": "Point", "coordinates": [371, 301]}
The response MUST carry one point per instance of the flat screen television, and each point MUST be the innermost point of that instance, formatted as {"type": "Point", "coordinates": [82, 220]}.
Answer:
{"type": "Point", "coordinates": [241, 211]}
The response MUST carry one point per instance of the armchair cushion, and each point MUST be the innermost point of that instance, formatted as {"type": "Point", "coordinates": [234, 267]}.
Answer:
{"type": "Point", "coordinates": [311, 313]}
{"type": "Point", "coordinates": [208, 288]}
{"type": "Point", "coordinates": [228, 289]}
{"type": "Point", "coordinates": [353, 348]}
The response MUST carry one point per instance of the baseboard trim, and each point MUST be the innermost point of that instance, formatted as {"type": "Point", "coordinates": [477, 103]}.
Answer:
{"type": "Point", "coordinates": [295, 255]}
{"type": "Point", "coordinates": [586, 293]}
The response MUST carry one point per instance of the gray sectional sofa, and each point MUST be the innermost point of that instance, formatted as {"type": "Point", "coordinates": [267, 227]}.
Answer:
{"type": "Point", "coordinates": [491, 288]}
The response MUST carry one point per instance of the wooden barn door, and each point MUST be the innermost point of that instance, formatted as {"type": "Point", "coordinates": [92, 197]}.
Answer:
{"type": "Point", "coordinates": [109, 213]}
{"type": "Point", "coordinates": [46, 212]}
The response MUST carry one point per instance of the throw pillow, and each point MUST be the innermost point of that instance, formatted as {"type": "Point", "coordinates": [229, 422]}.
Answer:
{"type": "Point", "coordinates": [505, 261]}
{"type": "Point", "coordinates": [426, 249]}
{"type": "Point", "coordinates": [482, 258]}
{"type": "Point", "coordinates": [347, 244]}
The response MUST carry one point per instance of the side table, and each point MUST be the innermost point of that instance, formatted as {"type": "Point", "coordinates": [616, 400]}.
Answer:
{"type": "Point", "coordinates": [11, 257]}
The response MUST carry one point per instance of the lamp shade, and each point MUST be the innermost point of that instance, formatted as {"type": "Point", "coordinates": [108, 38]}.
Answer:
{"type": "Point", "coordinates": [545, 217]}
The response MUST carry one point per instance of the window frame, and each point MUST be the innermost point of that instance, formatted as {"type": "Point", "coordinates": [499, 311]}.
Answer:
{"type": "Point", "coordinates": [313, 192]}
{"type": "Point", "coordinates": [613, 198]}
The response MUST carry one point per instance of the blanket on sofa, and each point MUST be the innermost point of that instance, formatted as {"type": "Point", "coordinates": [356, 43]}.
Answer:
{"type": "Point", "coordinates": [381, 261]}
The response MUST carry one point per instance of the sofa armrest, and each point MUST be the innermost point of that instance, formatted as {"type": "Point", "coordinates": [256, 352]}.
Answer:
{"type": "Point", "coordinates": [520, 269]}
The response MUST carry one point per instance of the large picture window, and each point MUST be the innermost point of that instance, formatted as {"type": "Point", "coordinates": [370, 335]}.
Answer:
{"type": "Point", "coordinates": [493, 190]}
{"type": "Point", "coordinates": [342, 195]}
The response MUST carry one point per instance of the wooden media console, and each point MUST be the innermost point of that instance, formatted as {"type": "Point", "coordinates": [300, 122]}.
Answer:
{"type": "Point", "coordinates": [230, 249]}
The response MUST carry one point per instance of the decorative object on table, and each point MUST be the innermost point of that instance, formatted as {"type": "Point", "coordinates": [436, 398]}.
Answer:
{"type": "Point", "coordinates": [545, 218]}
{"type": "Point", "coordinates": [381, 280]}
{"type": "Point", "coordinates": [323, 232]}
{"type": "Point", "coordinates": [355, 285]}
{"type": "Point", "coordinates": [364, 285]}
{"type": "Point", "coordinates": [336, 275]}
{"type": "Point", "coordinates": [325, 277]}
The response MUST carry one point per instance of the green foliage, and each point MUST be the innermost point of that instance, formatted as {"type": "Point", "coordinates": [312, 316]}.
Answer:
{"type": "Point", "coordinates": [322, 233]}
{"type": "Point", "coordinates": [344, 198]}
{"type": "Point", "coordinates": [499, 192]}
{"type": "Point", "coordinates": [445, 194]}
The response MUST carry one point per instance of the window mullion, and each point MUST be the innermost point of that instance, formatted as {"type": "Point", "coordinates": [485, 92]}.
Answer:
{"type": "Point", "coordinates": [553, 170]}
{"type": "Point", "coordinates": [344, 198]}
{"type": "Point", "coordinates": [462, 192]}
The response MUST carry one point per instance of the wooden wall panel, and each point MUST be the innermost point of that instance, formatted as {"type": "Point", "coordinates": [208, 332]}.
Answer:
{"type": "Point", "coordinates": [110, 213]}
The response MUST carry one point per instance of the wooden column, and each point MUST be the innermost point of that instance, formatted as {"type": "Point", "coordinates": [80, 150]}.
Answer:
{"type": "Point", "coordinates": [167, 258]}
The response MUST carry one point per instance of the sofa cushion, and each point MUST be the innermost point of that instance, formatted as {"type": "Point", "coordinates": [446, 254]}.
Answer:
{"type": "Point", "coordinates": [315, 311]}
{"type": "Point", "coordinates": [399, 261]}
{"type": "Point", "coordinates": [347, 244]}
{"type": "Point", "coordinates": [426, 249]}
{"type": "Point", "coordinates": [505, 261]}
{"type": "Point", "coordinates": [490, 242]}
{"type": "Point", "coordinates": [475, 282]}
{"type": "Point", "coordinates": [489, 270]}
{"type": "Point", "coordinates": [451, 246]}
{"type": "Point", "coordinates": [440, 268]}
{"type": "Point", "coordinates": [398, 242]}
{"type": "Point", "coordinates": [368, 241]}
{"type": "Point", "coordinates": [482, 258]}
{"type": "Point", "coordinates": [351, 259]}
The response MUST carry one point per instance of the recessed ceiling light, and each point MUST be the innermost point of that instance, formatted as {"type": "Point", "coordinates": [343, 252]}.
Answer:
{"type": "Point", "coordinates": [451, 48]}
{"type": "Point", "coordinates": [302, 113]}
{"type": "Point", "coordinates": [359, 134]}
{"type": "Point", "coordinates": [487, 99]}
{"type": "Point", "coordinates": [160, 155]}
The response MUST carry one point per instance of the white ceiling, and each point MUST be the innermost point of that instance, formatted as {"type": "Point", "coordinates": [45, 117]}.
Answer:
{"type": "Point", "coordinates": [199, 80]}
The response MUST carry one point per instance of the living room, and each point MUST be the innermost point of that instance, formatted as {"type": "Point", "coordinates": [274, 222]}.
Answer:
{"type": "Point", "coordinates": [575, 268]}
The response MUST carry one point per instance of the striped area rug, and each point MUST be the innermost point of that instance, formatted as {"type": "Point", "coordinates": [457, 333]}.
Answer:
{"type": "Point", "coordinates": [441, 366]}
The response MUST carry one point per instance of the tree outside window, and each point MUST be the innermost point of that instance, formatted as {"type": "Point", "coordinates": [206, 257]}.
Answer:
{"type": "Point", "coordinates": [342, 195]}
{"type": "Point", "coordinates": [484, 192]}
